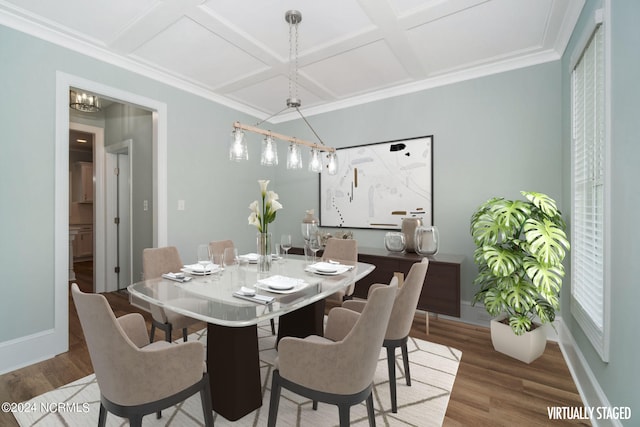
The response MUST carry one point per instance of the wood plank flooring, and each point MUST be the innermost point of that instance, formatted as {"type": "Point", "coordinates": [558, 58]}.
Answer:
{"type": "Point", "coordinates": [490, 389]}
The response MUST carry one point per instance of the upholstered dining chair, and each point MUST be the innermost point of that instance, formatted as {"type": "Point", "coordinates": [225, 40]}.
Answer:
{"type": "Point", "coordinates": [315, 367]}
{"type": "Point", "coordinates": [155, 263]}
{"type": "Point", "coordinates": [397, 334]}
{"type": "Point", "coordinates": [346, 252]}
{"type": "Point", "coordinates": [137, 377]}
{"type": "Point", "coordinates": [218, 246]}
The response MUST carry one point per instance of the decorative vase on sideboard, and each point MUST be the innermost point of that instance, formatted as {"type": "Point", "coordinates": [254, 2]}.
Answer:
{"type": "Point", "coordinates": [409, 226]}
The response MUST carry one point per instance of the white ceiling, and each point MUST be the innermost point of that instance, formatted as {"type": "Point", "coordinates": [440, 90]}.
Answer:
{"type": "Point", "coordinates": [350, 51]}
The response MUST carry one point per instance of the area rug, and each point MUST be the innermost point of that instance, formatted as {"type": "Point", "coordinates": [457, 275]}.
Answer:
{"type": "Point", "coordinates": [424, 403]}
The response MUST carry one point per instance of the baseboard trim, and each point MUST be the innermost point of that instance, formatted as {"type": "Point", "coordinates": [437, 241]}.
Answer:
{"type": "Point", "coordinates": [590, 391]}
{"type": "Point", "coordinates": [39, 346]}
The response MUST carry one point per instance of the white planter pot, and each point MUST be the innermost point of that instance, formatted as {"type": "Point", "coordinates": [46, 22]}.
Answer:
{"type": "Point", "coordinates": [526, 348]}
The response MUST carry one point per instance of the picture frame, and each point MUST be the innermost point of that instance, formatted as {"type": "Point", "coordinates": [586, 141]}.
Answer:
{"type": "Point", "coordinates": [379, 184]}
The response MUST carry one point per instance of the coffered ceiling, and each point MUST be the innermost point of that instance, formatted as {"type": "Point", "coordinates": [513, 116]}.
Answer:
{"type": "Point", "coordinates": [350, 51]}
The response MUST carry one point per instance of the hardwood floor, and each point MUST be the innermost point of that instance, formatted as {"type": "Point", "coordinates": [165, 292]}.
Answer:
{"type": "Point", "coordinates": [490, 389]}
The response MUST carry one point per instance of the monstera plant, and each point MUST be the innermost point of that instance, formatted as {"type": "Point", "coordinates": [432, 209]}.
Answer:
{"type": "Point", "coordinates": [520, 249]}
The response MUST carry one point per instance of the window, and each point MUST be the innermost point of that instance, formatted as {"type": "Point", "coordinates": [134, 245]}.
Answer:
{"type": "Point", "coordinates": [589, 303]}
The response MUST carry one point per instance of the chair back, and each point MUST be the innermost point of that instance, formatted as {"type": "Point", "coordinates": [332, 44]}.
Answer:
{"type": "Point", "coordinates": [159, 261]}
{"type": "Point", "coordinates": [404, 307]}
{"type": "Point", "coordinates": [361, 346]}
{"type": "Point", "coordinates": [155, 263]}
{"type": "Point", "coordinates": [218, 246]}
{"type": "Point", "coordinates": [112, 352]}
{"type": "Point", "coordinates": [343, 250]}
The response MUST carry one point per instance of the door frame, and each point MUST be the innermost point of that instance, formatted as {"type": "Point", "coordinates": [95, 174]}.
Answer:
{"type": "Point", "coordinates": [110, 193]}
{"type": "Point", "coordinates": [56, 340]}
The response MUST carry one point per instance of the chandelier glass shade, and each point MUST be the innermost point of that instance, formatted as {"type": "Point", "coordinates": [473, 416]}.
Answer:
{"type": "Point", "coordinates": [238, 148]}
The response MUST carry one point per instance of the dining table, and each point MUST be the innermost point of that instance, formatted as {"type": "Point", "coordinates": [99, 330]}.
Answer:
{"type": "Point", "coordinates": [293, 291]}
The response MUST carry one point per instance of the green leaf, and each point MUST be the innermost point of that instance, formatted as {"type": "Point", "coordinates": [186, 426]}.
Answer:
{"type": "Point", "coordinates": [520, 324]}
{"type": "Point", "coordinates": [543, 202]}
{"type": "Point", "coordinates": [502, 262]}
{"type": "Point", "coordinates": [494, 302]}
{"type": "Point", "coordinates": [485, 230]}
{"type": "Point", "coordinates": [547, 279]}
{"type": "Point", "coordinates": [510, 215]}
{"type": "Point", "coordinates": [547, 242]}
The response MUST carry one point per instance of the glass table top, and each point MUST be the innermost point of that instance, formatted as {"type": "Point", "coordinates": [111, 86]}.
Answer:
{"type": "Point", "coordinates": [211, 299]}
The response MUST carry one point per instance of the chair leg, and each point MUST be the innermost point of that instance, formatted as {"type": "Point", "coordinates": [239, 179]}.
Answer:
{"type": "Point", "coordinates": [273, 327]}
{"type": "Point", "coordinates": [168, 333]}
{"type": "Point", "coordinates": [152, 334]}
{"type": "Point", "coordinates": [205, 397]}
{"type": "Point", "coordinates": [275, 399]}
{"type": "Point", "coordinates": [370, 413]}
{"type": "Point", "coordinates": [102, 416]}
{"type": "Point", "coordinates": [135, 420]}
{"type": "Point", "coordinates": [405, 360]}
{"type": "Point", "coordinates": [391, 363]}
{"type": "Point", "coordinates": [344, 411]}
{"type": "Point", "coordinates": [184, 334]}
{"type": "Point", "coordinates": [315, 405]}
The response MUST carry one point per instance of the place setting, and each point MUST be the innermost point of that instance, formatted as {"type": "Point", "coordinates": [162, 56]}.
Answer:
{"type": "Point", "coordinates": [328, 268]}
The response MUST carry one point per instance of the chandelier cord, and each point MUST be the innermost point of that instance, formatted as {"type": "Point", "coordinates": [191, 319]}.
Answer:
{"type": "Point", "coordinates": [310, 127]}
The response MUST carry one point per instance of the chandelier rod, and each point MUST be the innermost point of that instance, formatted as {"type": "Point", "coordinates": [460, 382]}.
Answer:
{"type": "Point", "coordinates": [294, 140]}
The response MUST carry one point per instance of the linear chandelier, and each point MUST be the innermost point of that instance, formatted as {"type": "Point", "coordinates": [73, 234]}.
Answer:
{"type": "Point", "coordinates": [238, 150]}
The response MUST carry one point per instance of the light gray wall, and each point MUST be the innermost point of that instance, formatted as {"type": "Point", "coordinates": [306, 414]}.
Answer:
{"type": "Point", "coordinates": [493, 136]}
{"type": "Point", "coordinates": [216, 191]}
{"type": "Point", "coordinates": [620, 377]}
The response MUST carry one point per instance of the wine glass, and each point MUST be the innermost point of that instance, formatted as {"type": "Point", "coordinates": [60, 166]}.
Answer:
{"type": "Point", "coordinates": [204, 258]}
{"type": "Point", "coordinates": [315, 245]}
{"type": "Point", "coordinates": [285, 244]}
{"type": "Point", "coordinates": [230, 257]}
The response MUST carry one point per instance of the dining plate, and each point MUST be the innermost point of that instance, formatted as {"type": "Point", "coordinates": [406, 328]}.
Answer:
{"type": "Point", "coordinates": [281, 284]}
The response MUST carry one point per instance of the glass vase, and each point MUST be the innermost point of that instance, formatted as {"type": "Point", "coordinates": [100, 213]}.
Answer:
{"type": "Point", "coordinates": [264, 252]}
{"type": "Point", "coordinates": [409, 226]}
{"type": "Point", "coordinates": [427, 240]}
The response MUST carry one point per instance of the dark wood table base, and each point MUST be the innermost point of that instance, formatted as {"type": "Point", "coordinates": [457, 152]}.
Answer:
{"type": "Point", "coordinates": [233, 364]}
{"type": "Point", "coordinates": [233, 360]}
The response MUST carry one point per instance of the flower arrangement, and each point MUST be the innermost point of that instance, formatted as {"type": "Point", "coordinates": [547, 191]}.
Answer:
{"type": "Point", "coordinates": [264, 214]}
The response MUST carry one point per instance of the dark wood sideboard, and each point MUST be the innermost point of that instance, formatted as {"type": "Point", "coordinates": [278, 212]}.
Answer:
{"type": "Point", "coordinates": [441, 290]}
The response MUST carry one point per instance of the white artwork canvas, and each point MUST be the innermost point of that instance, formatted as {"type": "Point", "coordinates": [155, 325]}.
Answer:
{"type": "Point", "coordinates": [377, 185]}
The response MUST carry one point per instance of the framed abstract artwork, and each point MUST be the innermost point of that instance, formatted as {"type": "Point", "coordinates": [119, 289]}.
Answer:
{"type": "Point", "coordinates": [377, 185]}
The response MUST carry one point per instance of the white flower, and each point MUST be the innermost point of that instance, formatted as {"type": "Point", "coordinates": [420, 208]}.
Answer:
{"type": "Point", "coordinates": [262, 215]}
{"type": "Point", "coordinates": [263, 186]}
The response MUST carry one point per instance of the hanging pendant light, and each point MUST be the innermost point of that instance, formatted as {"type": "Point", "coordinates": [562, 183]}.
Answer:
{"type": "Point", "coordinates": [238, 147]}
{"type": "Point", "coordinates": [315, 162]}
{"type": "Point", "coordinates": [269, 152]}
{"type": "Point", "coordinates": [294, 159]}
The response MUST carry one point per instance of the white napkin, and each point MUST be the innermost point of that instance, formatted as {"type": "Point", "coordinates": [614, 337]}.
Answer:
{"type": "Point", "coordinates": [250, 257]}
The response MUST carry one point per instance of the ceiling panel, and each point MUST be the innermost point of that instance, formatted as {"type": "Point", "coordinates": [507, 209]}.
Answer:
{"type": "Point", "coordinates": [350, 51]}
{"type": "Point", "coordinates": [195, 52]}
{"type": "Point", "coordinates": [373, 66]}
{"type": "Point", "coordinates": [95, 19]}
{"type": "Point", "coordinates": [469, 38]}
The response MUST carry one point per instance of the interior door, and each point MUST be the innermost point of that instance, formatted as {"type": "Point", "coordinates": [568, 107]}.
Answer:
{"type": "Point", "coordinates": [124, 220]}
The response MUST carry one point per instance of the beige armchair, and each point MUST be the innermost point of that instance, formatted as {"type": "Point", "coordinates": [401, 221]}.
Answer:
{"type": "Point", "coordinates": [339, 368]}
{"type": "Point", "coordinates": [346, 252]}
{"type": "Point", "coordinates": [137, 377]}
{"type": "Point", "coordinates": [404, 309]}
{"type": "Point", "coordinates": [155, 263]}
